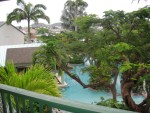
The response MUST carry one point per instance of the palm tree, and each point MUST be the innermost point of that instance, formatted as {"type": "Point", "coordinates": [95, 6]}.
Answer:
{"type": "Point", "coordinates": [27, 12]}
{"type": "Point", "coordinates": [72, 9]}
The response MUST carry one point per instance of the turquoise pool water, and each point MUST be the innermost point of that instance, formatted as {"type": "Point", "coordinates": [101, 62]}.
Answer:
{"type": "Point", "coordinates": [76, 92]}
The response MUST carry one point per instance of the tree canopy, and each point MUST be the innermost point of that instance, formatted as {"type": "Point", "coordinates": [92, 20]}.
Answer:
{"type": "Point", "coordinates": [115, 45]}
{"type": "Point", "coordinates": [72, 10]}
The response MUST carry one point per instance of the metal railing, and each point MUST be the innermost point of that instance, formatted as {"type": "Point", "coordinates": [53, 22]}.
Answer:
{"type": "Point", "coordinates": [16, 100]}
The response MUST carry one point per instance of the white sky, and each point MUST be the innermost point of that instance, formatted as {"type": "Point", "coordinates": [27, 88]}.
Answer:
{"type": "Point", "coordinates": [55, 7]}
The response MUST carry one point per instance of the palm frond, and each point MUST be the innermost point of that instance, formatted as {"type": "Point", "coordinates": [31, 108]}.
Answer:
{"type": "Point", "coordinates": [35, 79]}
{"type": "Point", "coordinates": [17, 14]}
{"type": "Point", "coordinates": [36, 14]}
{"type": "Point", "coordinates": [10, 68]}
{"type": "Point", "coordinates": [21, 2]}
{"type": "Point", "coordinates": [17, 10]}
{"type": "Point", "coordinates": [39, 6]}
{"type": "Point", "coordinates": [28, 8]}
{"type": "Point", "coordinates": [43, 17]}
{"type": "Point", "coordinates": [27, 12]}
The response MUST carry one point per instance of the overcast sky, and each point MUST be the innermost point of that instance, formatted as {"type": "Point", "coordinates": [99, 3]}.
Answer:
{"type": "Point", "coordinates": [55, 7]}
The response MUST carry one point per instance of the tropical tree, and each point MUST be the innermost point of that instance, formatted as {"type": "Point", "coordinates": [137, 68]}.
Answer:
{"type": "Point", "coordinates": [133, 76]}
{"type": "Point", "coordinates": [72, 9]}
{"type": "Point", "coordinates": [124, 58]}
{"type": "Point", "coordinates": [27, 12]}
{"type": "Point", "coordinates": [87, 26]}
{"type": "Point", "coordinates": [136, 66]}
{"type": "Point", "coordinates": [120, 46]}
{"type": "Point", "coordinates": [132, 62]}
{"type": "Point", "coordinates": [53, 55]}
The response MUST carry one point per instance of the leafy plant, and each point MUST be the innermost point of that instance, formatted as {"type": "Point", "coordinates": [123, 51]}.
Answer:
{"type": "Point", "coordinates": [36, 79]}
{"type": "Point", "coordinates": [76, 59]}
{"type": "Point", "coordinates": [113, 104]}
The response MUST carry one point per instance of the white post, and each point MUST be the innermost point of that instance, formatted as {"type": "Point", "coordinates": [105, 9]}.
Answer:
{"type": "Point", "coordinates": [62, 78]}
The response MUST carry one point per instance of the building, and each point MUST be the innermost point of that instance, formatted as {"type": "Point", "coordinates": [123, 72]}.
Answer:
{"type": "Point", "coordinates": [56, 28]}
{"type": "Point", "coordinates": [20, 54]}
{"type": "Point", "coordinates": [10, 35]}
{"type": "Point", "coordinates": [39, 25]}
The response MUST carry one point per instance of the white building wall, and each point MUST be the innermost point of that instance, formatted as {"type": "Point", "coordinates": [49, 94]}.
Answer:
{"type": "Point", "coordinates": [10, 35]}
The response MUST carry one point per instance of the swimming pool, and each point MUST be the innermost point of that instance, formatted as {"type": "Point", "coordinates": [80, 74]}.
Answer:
{"type": "Point", "coordinates": [76, 92]}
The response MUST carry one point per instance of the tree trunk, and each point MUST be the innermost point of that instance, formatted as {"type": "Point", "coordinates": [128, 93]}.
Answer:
{"type": "Point", "coordinates": [114, 92]}
{"type": "Point", "coordinates": [126, 88]}
{"type": "Point", "coordinates": [29, 34]}
{"type": "Point", "coordinates": [76, 78]}
{"type": "Point", "coordinates": [113, 85]}
{"type": "Point", "coordinates": [64, 68]}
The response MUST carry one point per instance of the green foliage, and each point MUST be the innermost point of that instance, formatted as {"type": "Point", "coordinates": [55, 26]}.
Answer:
{"type": "Point", "coordinates": [143, 13]}
{"type": "Point", "coordinates": [125, 67]}
{"type": "Point", "coordinates": [133, 69]}
{"type": "Point", "coordinates": [85, 22]}
{"type": "Point", "coordinates": [76, 59]}
{"type": "Point", "coordinates": [42, 31]}
{"type": "Point", "coordinates": [27, 12]}
{"type": "Point", "coordinates": [121, 44]}
{"type": "Point", "coordinates": [46, 55]}
{"type": "Point", "coordinates": [122, 41]}
{"type": "Point", "coordinates": [113, 104]}
{"type": "Point", "coordinates": [99, 75]}
{"type": "Point", "coordinates": [36, 79]}
{"type": "Point", "coordinates": [122, 47]}
{"type": "Point", "coordinates": [145, 77]}
{"type": "Point", "coordinates": [114, 21]}
{"type": "Point", "coordinates": [7, 72]}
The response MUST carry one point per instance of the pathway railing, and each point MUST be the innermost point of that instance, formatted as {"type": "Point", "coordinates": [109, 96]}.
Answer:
{"type": "Point", "coordinates": [16, 100]}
